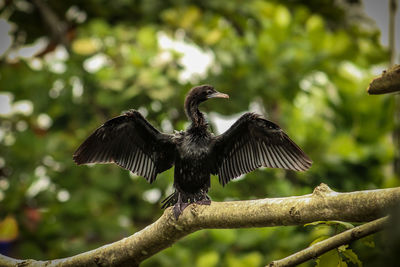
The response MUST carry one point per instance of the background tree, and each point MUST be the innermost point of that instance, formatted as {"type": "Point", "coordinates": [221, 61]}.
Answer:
{"type": "Point", "coordinates": [67, 66]}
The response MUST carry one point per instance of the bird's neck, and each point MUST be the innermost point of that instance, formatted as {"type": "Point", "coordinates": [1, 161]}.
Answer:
{"type": "Point", "coordinates": [194, 114]}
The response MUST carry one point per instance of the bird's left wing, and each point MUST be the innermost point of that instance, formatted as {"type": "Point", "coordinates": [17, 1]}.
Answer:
{"type": "Point", "coordinates": [131, 142]}
{"type": "Point", "coordinates": [252, 142]}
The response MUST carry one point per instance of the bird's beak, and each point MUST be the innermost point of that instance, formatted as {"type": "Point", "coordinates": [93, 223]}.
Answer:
{"type": "Point", "coordinates": [218, 95]}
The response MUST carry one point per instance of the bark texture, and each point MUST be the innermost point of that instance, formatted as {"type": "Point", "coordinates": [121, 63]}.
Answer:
{"type": "Point", "coordinates": [388, 82]}
{"type": "Point", "coordinates": [322, 204]}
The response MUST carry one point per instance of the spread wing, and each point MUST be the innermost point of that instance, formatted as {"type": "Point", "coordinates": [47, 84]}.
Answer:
{"type": "Point", "coordinates": [253, 142]}
{"type": "Point", "coordinates": [131, 142]}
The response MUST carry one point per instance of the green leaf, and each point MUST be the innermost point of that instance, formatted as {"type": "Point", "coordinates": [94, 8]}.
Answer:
{"type": "Point", "coordinates": [146, 37]}
{"type": "Point", "coordinates": [329, 259]}
{"type": "Point", "coordinates": [252, 259]}
{"type": "Point", "coordinates": [189, 17]}
{"type": "Point", "coordinates": [8, 229]}
{"type": "Point", "coordinates": [368, 241]}
{"type": "Point", "coordinates": [315, 223]}
{"type": "Point", "coordinates": [224, 236]}
{"type": "Point", "coordinates": [210, 258]}
{"type": "Point", "coordinates": [282, 16]}
{"type": "Point", "coordinates": [315, 24]}
{"type": "Point", "coordinates": [319, 239]}
{"type": "Point", "coordinates": [345, 225]}
{"type": "Point", "coordinates": [248, 260]}
{"type": "Point", "coordinates": [351, 256]}
{"type": "Point", "coordinates": [342, 248]}
{"type": "Point", "coordinates": [85, 46]}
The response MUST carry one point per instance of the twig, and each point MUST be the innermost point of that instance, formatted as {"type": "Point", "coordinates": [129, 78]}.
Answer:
{"type": "Point", "coordinates": [392, 31]}
{"type": "Point", "coordinates": [58, 28]}
{"type": "Point", "coordinates": [322, 204]}
{"type": "Point", "coordinates": [336, 241]}
{"type": "Point", "coordinates": [392, 57]}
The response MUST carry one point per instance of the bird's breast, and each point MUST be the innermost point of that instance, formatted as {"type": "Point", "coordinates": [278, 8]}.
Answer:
{"type": "Point", "coordinates": [194, 148]}
{"type": "Point", "coordinates": [192, 163]}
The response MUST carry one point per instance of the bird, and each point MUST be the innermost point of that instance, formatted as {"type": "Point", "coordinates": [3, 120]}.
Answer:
{"type": "Point", "coordinates": [131, 142]}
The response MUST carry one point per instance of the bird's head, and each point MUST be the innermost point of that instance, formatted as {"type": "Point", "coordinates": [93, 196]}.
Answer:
{"type": "Point", "coordinates": [202, 93]}
{"type": "Point", "coordinates": [198, 95]}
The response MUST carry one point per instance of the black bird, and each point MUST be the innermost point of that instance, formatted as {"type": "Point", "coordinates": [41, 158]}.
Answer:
{"type": "Point", "coordinates": [133, 143]}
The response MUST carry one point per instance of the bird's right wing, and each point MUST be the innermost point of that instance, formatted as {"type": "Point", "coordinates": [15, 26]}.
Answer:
{"type": "Point", "coordinates": [253, 142]}
{"type": "Point", "coordinates": [131, 142]}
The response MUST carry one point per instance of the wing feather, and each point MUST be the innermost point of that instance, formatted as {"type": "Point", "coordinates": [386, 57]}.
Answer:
{"type": "Point", "coordinates": [253, 142]}
{"type": "Point", "coordinates": [130, 142]}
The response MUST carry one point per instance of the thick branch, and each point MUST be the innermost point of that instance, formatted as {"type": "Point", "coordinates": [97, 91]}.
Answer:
{"type": "Point", "coordinates": [322, 204]}
{"type": "Point", "coordinates": [388, 82]}
{"type": "Point", "coordinates": [336, 241]}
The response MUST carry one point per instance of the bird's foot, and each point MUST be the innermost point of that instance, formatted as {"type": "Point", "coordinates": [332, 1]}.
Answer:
{"type": "Point", "coordinates": [205, 201]}
{"type": "Point", "coordinates": [179, 208]}
{"type": "Point", "coordinates": [180, 205]}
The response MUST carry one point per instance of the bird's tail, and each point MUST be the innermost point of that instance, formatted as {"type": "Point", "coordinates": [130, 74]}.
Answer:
{"type": "Point", "coordinates": [170, 200]}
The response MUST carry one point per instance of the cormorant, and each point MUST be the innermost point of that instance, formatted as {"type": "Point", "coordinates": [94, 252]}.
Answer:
{"type": "Point", "coordinates": [133, 143]}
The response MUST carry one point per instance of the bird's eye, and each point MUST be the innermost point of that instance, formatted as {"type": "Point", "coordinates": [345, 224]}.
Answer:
{"type": "Point", "coordinates": [209, 92]}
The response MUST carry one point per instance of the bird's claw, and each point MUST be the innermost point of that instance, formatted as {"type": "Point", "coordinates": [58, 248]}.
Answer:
{"type": "Point", "coordinates": [205, 201]}
{"type": "Point", "coordinates": [179, 208]}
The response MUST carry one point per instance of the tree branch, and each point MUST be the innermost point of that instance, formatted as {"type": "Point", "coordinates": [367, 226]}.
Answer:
{"type": "Point", "coordinates": [322, 204]}
{"type": "Point", "coordinates": [392, 32]}
{"type": "Point", "coordinates": [388, 82]}
{"type": "Point", "coordinates": [58, 28]}
{"type": "Point", "coordinates": [336, 241]}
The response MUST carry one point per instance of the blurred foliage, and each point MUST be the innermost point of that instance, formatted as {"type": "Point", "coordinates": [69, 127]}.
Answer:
{"type": "Point", "coordinates": [303, 64]}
